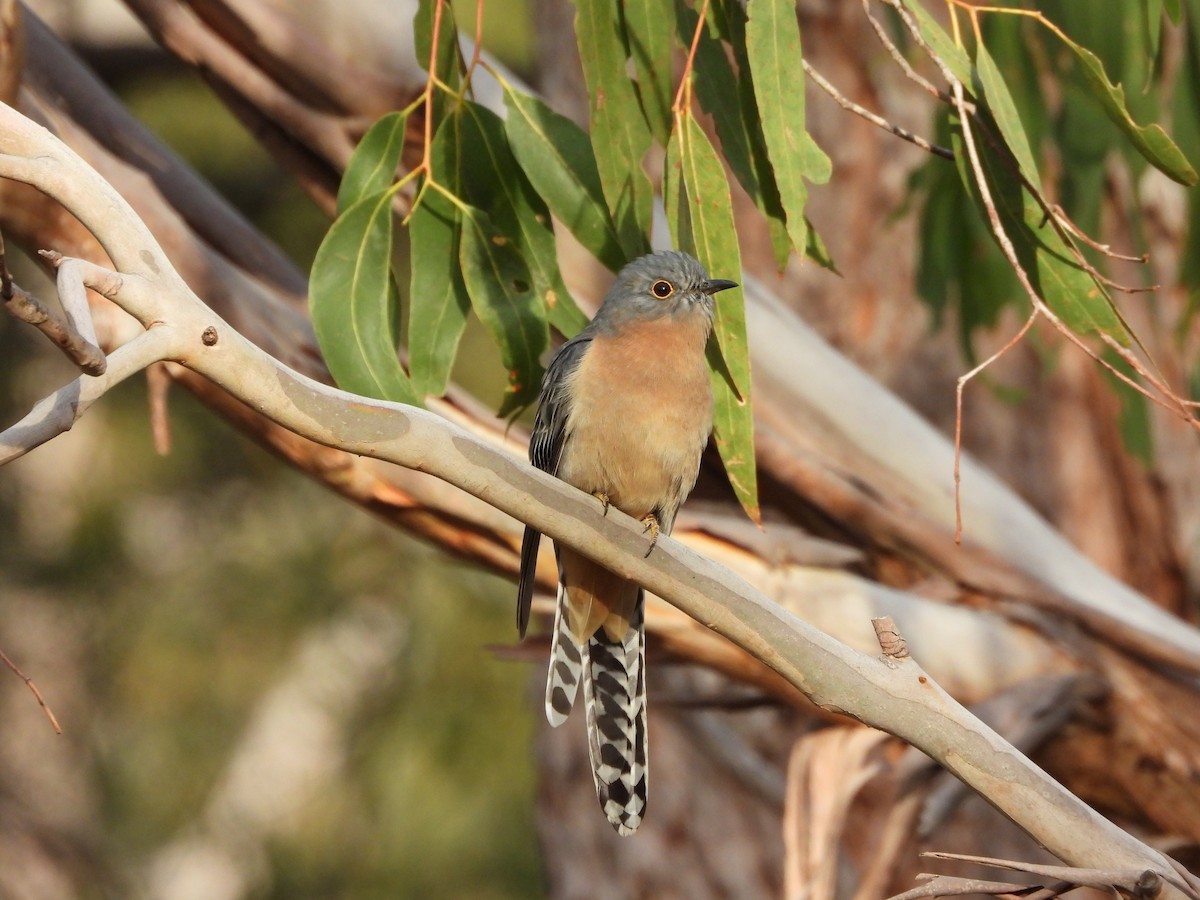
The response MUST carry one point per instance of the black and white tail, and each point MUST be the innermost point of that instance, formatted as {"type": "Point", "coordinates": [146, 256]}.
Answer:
{"type": "Point", "coordinates": [614, 699]}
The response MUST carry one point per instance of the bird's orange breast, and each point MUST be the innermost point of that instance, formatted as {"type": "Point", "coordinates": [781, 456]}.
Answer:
{"type": "Point", "coordinates": [641, 413]}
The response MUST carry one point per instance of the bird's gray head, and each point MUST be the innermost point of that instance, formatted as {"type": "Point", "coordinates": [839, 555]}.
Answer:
{"type": "Point", "coordinates": [667, 283]}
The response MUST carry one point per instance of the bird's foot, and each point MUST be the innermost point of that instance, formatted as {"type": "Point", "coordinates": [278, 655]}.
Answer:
{"type": "Point", "coordinates": [603, 498]}
{"type": "Point", "coordinates": [651, 523]}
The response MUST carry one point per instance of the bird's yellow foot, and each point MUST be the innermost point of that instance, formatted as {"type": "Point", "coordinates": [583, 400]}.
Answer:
{"type": "Point", "coordinates": [603, 498]}
{"type": "Point", "coordinates": [651, 523]}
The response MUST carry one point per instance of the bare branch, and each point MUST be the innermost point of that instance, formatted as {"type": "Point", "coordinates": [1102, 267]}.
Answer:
{"type": "Point", "coordinates": [37, 694]}
{"type": "Point", "coordinates": [846, 103]}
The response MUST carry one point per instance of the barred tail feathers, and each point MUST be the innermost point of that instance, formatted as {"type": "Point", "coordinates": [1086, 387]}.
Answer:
{"type": "Point", "coordinates": [614, 697]}
{"type": "Point", "coordinates": [566, 664]}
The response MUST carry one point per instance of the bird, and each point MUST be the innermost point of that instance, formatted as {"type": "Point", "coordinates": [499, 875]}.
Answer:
{"type": "Point", "coordinates": [625, 411]}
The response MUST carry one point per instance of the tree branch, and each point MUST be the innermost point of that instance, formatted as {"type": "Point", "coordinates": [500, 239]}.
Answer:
{"type": "Point", "coordinates": [895, 696]}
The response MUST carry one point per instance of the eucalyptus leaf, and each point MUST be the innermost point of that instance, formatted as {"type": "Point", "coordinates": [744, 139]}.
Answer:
{"type": "Point", "coordinates": [372, 166]}
{"type": "Point", "coordinates": [1150, 140]}
{"type": "Point", "coordinates": [491, 176]}
{"type": "Point", "coordinates": [502, 295]}
{"type": "Point", "coordinates": [714, 239]}
{"type": "Point", "coordinates": [353, 300]}
{"type": "Point", "coordinates": [556, 156]}
{"type": "Point", "coordinates": [648, 25]}
{"type": "Point", "coordinates": [620, 136]}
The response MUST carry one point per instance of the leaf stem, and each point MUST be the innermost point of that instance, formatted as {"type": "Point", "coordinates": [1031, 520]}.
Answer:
{"type": "Point", "coordinates": [683, 97]}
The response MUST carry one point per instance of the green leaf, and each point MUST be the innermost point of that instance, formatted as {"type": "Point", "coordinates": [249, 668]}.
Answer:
{"type": "Point", "coordinates": [501, 292]}
{"type": "Point", "coordinates": [1150, 140]}
{"type": "Point", "coordinates": [1070, 291]}
{"type": "Point", "coordinates": [652, 46]}
{"type": "Point", "coordinates": [439, 304]}
{"type": "Point", "coordinates": [1152, 26]}
{"type": "Point", "coordinates": [372, 166]}
{"type": "Point", "coordinates": [773, 47]}
{"type": "Point", "coordinates": [1133, 420]}
{"type": "Point", "coordinates": [448, 58]}
{"type": "Point", "coordinates": [817, 251]}
{"type": "Point", "coordinates": [1174, 12]}
{"type": "Point", "coordinates": [491, 176]}
{"type": "Point", "coordinates": [353, 302]}
{"type": "Point", "coordinates": [557, 158]}
{"type": "Point", "coordinates": [941, 43]}
{"type": "Point", "coordinates": [619, 133]}
{"type": "Point", "coordinates": [714, 238]}
{"type": "Point", "coordinates": [1004, 111]}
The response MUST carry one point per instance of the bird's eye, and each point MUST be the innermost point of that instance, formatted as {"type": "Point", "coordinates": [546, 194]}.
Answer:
{"type": "Point", "coordinates": [662, 289]}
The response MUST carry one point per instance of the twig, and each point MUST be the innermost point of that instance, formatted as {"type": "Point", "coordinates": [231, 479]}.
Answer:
{"type": "Point", "coordinates": [911, 73]}
{"type": "Point", "coordinates": [80, 349]}
{"type": "Point", "coordinates": [958, 417]}
{"type": "Point", "coordinates": [919, 39]}
{"type": "Point", "coordinates": [683, 96]}
{"type": "Point", "coordinates": [1061, 217]}
{"type": "Point", "coordinates": [29, 683]}
{"type": "Point", "coordinates": [846, 103]}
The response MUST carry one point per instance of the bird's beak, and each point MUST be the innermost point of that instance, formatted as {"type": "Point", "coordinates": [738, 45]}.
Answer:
{"type": "Point", "coordinates": [717, 284]}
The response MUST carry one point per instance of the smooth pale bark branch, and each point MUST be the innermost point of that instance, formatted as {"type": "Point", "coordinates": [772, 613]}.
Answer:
{"type": "Point", "coordinates": [893, 695]}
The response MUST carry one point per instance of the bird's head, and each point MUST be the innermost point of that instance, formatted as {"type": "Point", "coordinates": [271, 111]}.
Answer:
{"type": "Point", "coordinates": [667, 283]}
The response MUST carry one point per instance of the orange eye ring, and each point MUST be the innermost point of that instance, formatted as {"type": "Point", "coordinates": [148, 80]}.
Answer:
{"type": "Point", "coordinates": [662, 289]}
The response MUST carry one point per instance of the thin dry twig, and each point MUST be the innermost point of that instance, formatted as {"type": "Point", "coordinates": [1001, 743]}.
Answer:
{"type": "Point", "coordinates": [846, 103]}
{"type": "Point", "coordinates": [958, 417]}
{"type": "Point", "coordinates": [894, 51]}
{"type": "Point", "coordinates": [29, 683]}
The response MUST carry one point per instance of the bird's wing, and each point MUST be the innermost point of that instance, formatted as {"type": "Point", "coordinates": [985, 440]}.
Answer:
{"type": "Point", "coordinates": [545, 450]}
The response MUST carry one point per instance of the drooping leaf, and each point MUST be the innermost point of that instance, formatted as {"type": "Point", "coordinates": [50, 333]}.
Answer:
{"type": "Point", "coordinates": [773, 47]}
{"type": "Point", "coordinates": [1152, 11]}
{"type": "Point", "coordinates": [1069, 290]}
{"type": "Point", "coordinates": [817, 251]}
{"type": "Point", "coordinates": [620, 136]}
{"type": "Point", "coordinates": [941, 43]}
{"type": "Point", "coordinates": [438, 304]}
{"type": "Point", "coordinates": [557, 158]}
{"type": "Point", "coordinates": [353, 299]}
{"type": "Point", "coordinates": [1150, 140]}
{"type": "Point", "coordinates": [714, 238]}
{"type": "Point", "coordinates": [448, 63]}
{"type": "Point", "coordinates": [491, 176]}
{"type": "Point", "coordinates": [652, 45]}
{"type": "Point", "coordinates": [372, 166]}
{"type": "Point", "coordinates": [1134, 417]}
{"type": "Point", "coordinates": [1004, 111]}
{"type": "Point", "coordinates": [502, 295]}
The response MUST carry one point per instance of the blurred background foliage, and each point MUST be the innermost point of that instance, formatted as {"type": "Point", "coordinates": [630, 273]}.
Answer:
{"type": "Point", "coordinates": [177, 592]}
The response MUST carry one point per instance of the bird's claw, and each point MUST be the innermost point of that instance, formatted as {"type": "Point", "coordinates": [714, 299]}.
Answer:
{"type": "Point", "coordinates": [651, 525]}
{"type": "Point", "coordinates": [603, 498]}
